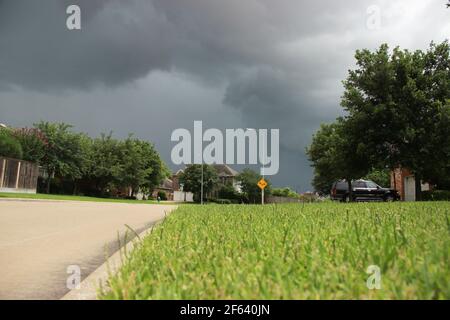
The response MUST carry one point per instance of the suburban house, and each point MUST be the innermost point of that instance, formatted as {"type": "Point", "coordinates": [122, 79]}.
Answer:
{"type": "Point", "coordinates": [227, 176]}
{"type": "Point", "coordinates": [404, 182]}
{"type": "Point", "coordinates": [167, 187]}
{"type": "Point", "coordinates": [18, 175]}
{"type": "Point", "coordinates": [173, 190]}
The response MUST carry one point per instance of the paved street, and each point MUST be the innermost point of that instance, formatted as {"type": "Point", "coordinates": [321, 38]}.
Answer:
{"type": "Point", "coordinates": [40, 239]}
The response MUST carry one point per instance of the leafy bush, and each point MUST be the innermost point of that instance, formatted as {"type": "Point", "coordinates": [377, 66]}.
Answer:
{"type": "Point", "coordinates": [436, 195]}
{"type": "Point", "coordinates": [9, 146]}
{"type": "Point", "coordinates": [381, 177]}
{"type": "Point", "coordinates": [162, 195]}
{"type": "Point", "coordinates": [285, 192]}
{"type": "Point", "coordinates": [228, 192]}
{"type": "Point", "coordinates": [33, 143]}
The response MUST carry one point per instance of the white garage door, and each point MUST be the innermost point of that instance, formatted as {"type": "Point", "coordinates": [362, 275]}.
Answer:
{"type": "Point", "coordinates": [410, 189]}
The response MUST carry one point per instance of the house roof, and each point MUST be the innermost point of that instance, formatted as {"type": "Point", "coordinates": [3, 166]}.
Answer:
{"type": "Point", "coordinates": [166, 184]}
{"type": "Point", "coordinates": [224, 170]}
{"type": "Point", "coordinates": [178, 172]}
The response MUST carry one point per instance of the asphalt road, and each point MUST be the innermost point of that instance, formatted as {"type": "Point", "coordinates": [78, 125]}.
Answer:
{"type": "Point", "coordinates": [39, 240]}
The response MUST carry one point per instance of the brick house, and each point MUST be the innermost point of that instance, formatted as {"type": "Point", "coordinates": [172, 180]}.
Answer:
{"type": "Point", "coordinates": [227, 176]}
{"type": "Point", "coordinates": [167, 187]}
{"type": "Point", "coordinates": [404, 182]}
{"type": "Point", "coordinates": [173, 190]}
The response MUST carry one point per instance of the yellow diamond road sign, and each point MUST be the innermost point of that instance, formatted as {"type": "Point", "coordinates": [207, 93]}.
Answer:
{"type": "Point", "coordinates": [262, 184]}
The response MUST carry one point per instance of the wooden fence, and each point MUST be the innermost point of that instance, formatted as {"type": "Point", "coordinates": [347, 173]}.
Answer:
{"type": "Point", "coordinates": [18, 175]}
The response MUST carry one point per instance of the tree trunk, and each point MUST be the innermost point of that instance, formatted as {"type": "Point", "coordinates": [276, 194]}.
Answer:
{"type": "Point", "coordinates": [75, 188]}
{"type": "Point", "coordinates": [49, 179]}
{"type": "Point", "coordinates": [394, 174]}
{"type": "Point", "coordinates": [47, 189]}
{"type": "Point", "coordinates": [418, 186]}
{"type": "Point", "coordinates": [350, 190]}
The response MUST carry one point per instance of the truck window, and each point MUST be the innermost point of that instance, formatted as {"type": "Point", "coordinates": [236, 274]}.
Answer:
{"type": "Point", "coordinates": [360, 184]}
{"type": "Point", "coordinates": [371, 185]}
{"type": "Point", "coordinates": [341, 185]}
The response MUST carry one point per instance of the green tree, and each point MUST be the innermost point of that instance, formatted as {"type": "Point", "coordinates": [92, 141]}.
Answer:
{"type": "Point", "coordinates": [191, 179]}
{"type": "Point", "coordinates": [9, 144]}
{"type": "Point", "coordinates": [135, 168]}
{"type": "Point", "coordinates": [114, 164]}
{"type": "Point", "coordinates": [159, 172]}
{"type": "Point", "coordinates": [105, 167]}
{"type": "Point", "coordinates": [248, 180]}
{"type": "Point", "coordinates": [380, 176]}
{"type": "Point", "coordinates": [142, 167]}
{"type": "Point", "coordinates": [398, 103]}
{"type": "Point", "coordinates": [336, 154]}
{"type": "Point", "coordinates": [65, 153]}
{"type": "Point", "coordinates": [33, 143]}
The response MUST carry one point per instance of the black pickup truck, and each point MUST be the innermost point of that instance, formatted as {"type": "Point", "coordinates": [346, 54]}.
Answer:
{"type": "Point", "coordinates": [363, 190]}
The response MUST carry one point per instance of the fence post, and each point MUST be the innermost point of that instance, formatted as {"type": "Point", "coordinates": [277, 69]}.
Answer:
{"type": "Point", "coordinates": [18, 174]}
{"type": "Point", "coordinates": [2, 176]}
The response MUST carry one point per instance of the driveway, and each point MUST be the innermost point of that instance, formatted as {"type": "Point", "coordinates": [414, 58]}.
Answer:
{"type": "Point", "coordinates": [39, 240]}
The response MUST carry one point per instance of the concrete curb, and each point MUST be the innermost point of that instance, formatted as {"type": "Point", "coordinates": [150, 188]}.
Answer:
{"type": "Point", "coordinates": [139, 202]}
{"type": "Point", "coordinates": [88, 287]}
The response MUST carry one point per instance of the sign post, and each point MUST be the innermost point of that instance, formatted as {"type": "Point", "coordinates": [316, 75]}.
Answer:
{"type": "Point", "coordinates": [262, 184]}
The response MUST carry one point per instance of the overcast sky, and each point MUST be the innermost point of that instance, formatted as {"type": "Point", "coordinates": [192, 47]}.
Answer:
{"type": "Point", "coordinates": [149, 67]}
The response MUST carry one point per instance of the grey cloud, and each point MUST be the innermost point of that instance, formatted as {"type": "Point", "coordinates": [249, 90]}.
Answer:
{"type": "Point", "coordinates": [269, 64]}
{"type": "Point", "coordinates": [113, 47]}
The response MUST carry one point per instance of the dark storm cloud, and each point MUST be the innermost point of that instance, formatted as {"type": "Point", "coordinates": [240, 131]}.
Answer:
{"type": "Point", "coordinates": [272, 64]}
{"type": "Point", "coordinates": [124, 40]}
{"type": "Point", "coordinates": [119, 42]}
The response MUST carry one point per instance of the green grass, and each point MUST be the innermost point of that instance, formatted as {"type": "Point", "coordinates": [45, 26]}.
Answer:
{"type": "Point", "coordinates": [71, 198]}
{"type": "Point", "coordinates": [312, 251]}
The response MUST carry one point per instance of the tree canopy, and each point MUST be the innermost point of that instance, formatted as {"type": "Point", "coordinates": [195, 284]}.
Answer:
{"type": "Point", "coordinates": [97, 166]}
{"type": "Point", "coordinates": [397, 115]}
{"type": "Point", "coordinates": [9, 145]}
{"type": "Point", "coordinates": [190, 178]}
{"type": "Point", "coordinates": [248, 180]}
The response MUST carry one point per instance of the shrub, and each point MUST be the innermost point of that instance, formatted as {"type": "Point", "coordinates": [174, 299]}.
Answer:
{"type": "Point", "coordinates": [285, 192]}
{"type": "Point", "coordinates": [33, 143]}
{"type": "Point", "coordinates": [9, 146]}
{"type": "Point", "coordinates": [436, 195]}
{"type": "Point", "coordinates": [228, 192]}
{"type": "Point", "coordinates": [222, 201]}
{"type": "Point", "coordinates": [162, 195]}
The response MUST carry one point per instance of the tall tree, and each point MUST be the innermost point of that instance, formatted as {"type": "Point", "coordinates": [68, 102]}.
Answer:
{"type": "Point", "coordinates": [142, 167]}
{"type": "Point", "coordinates": [33, 143]}
{"type": "Point", "coordinates": [9, 144]}
{"type": "Point", "coordinates": [248, 180]}
{"type": "Point", "coordinates": [398, 103]}
{"type": "Point", "coordinates": [191, 179]}
{"type": "Point", "coordinates": [105, 165]}
{"type": "Point", "coordinates": [64, 154]}
{"type": "Point", "coordinates": [381, 177]}
{"type": "Point", "coordinates": [336, 154]}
